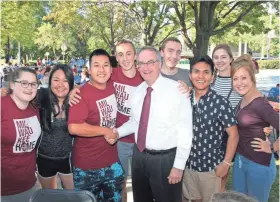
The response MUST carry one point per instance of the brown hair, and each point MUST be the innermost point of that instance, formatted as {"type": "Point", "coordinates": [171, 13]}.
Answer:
{"type": "Point", "coordinates": [16, 75]}
{"type": "Point", "coordinates": [245, 62]}
{"type": "Point", "coordinates": [125, 41]}
{"type": "Point", "coordinates": [225, 47]}
{"type": "Point", "coordinates": [170, 39]}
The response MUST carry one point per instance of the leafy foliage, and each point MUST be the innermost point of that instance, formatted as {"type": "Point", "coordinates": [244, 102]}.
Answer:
{"type": "Point", "coordinates": [19, 21]}
{"type": "Point", "coordinates": [86, 25]}
{"type": "Point", "coordinates": [269, 64]}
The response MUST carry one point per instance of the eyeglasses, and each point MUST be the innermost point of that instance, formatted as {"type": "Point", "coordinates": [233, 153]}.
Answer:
{"type": "Point", "coordinates": [25, 84]}
{"type": "Point", "coordinates": [149, 63]}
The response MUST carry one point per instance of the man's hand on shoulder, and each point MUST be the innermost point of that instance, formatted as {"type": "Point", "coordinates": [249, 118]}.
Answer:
{"type": "Point", "coordinates": [4, 91]}
{"type": "Point", "coordinates": [184, 88]}
{"type": "Point", "coordinates": [74, 97]}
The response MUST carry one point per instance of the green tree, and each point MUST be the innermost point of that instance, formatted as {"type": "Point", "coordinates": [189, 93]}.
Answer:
{"type": "Point", "coordinates": [255, 33]}
{"type": "Point", "coordinates": [212, 18]}
{"type": "Point", "coordinates": [64, 24]}
{"type": "Point", "coordinates": [110, 23]}
{"type": "Point", "coordinates": [19, 21]}
{"type": "Point", "coordinates": [154, 20]}
{"type": "Point", "coordinates": [49, 37]}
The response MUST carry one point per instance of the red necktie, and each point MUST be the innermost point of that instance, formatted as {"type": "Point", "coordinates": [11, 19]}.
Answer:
{"type": "Point", "coordinates": [143, 125]}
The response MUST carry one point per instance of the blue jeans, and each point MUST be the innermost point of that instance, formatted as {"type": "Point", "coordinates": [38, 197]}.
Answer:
{"type": "Point", "coordinates": [105, 183]}
{"type": "Point", "coordinates": [253, 179]}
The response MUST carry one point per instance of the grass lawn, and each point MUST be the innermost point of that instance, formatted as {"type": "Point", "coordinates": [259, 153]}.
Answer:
{"type": "Point", "coordinates": [274, 193]}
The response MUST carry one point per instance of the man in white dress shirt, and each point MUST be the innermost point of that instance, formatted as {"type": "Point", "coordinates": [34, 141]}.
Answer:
{"type": "Point", "coordinates": [161, 118]}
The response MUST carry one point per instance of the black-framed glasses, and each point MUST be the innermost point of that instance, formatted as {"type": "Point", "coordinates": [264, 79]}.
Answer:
{"type": "Point", "coordinates": [150, 63]}
{"type": "Point", "coordinates": [25, 84]}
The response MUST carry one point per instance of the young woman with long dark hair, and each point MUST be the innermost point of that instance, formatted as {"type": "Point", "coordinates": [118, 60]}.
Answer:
{"type": "Point", "coordinates": [56, 144]}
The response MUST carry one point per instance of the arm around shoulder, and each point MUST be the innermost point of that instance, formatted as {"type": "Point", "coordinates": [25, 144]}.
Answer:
{"type": "Point", "coordinates": [87, 130]}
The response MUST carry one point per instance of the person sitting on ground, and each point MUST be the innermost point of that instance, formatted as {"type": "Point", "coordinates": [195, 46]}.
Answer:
{"type": "Point", "coordinates": [273, 94]}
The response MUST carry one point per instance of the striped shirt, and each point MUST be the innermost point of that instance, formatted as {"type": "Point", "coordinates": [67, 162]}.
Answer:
{"type": "Point", "coordinates": [223, 86]}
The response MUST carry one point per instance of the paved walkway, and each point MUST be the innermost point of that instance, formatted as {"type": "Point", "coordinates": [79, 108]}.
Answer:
{"type": "Point", "coordinates": [129, 191]}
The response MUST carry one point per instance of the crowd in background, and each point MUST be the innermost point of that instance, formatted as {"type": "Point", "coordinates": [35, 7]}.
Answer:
{"type": "Point", "coordinates": [219, 97]}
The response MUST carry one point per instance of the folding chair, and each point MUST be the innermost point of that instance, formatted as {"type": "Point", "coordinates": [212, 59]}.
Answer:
{"type": "Point", "coordinates": [62, 195]}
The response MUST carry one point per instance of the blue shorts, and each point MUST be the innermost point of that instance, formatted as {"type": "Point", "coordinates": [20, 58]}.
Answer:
{"type": "Point", "coordinates": [125, 151]}
{"type": "Point", "coordinates": [105, 183]}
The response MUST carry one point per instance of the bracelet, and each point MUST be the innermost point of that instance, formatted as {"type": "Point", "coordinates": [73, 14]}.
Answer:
{"type": "Point", "coordinates": [227, 163]}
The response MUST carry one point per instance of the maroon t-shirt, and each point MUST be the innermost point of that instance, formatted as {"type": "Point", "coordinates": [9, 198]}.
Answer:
{"type": "Point", "coordinates": [97, 107]}
{"type": "Point", "coordinates": [251, 120]}
{"type": "Point", "coordinates": [20, 130]}
{"type": "Point", "coordinates": [124, 87]}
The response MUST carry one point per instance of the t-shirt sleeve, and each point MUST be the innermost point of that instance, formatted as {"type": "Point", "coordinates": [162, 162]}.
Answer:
{"type": "Point", "coordinates": [267, 113]}
{"type": "Point", "coordinates": [78, 113]}
{"type": "Point", "coordinates": [226, 115]}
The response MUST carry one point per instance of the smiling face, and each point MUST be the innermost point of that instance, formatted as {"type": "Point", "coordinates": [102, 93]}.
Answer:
{"type": "Point", "coordinates": [125, 56]}
{"type": "Point", "coordinates": [24, 95]}
{"type": "Point", "coordinates": [242, 81]}
{"type": "Point", "coordinates": [149, 66]}
{"type": "Point", "coordinates": [100, 71]}
{"type": "Point", "coordinates": [201, 76]}
{"type": "Point", "coordinates": [59, 84]}
{"type": "Point", "coordinates": [171, 54]}
{"type": "Point", "coordinates": [222, 60]}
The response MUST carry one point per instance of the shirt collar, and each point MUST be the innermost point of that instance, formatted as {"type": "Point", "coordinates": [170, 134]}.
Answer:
{"type": "Point", "coordinates": [209, 92]}
{"type": "Point", "coordinates": [159, 83]}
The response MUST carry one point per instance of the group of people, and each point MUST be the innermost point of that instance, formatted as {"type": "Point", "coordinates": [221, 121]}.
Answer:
{"type": "Point", "coordinates": [180, 129]}
{"type": "Point", "coordinates": [82, 76]}
{"type": "Point", "coordinates": [46, 61]}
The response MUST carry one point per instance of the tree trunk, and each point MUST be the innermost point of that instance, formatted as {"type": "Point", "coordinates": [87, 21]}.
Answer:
{"type": "Point", "coordinates": [203, 29]}
{"type": "Point", "coordinates": [202, 42]}
{"type": "Point", "coordinates": [8, 51]}
{"type": "Point", "coordinates": [54, 52]}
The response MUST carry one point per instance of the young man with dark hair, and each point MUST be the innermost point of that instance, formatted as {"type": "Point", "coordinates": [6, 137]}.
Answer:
{"type": "Point", "coordinates": [212, 116]}
{"type": "Point", "coordinates": [95, 161]}
{"type": "Point", "coordinates": [124, 79]}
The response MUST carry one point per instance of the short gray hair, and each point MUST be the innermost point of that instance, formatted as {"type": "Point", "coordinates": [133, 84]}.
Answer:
{"type": "Point", "coordinates": [231, 196]}
{"type": "Point", "coordinates": [150, 48]}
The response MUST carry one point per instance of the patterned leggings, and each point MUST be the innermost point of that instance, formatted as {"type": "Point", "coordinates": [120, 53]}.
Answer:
{"type": "Point", "coordinates": [105, 183]}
